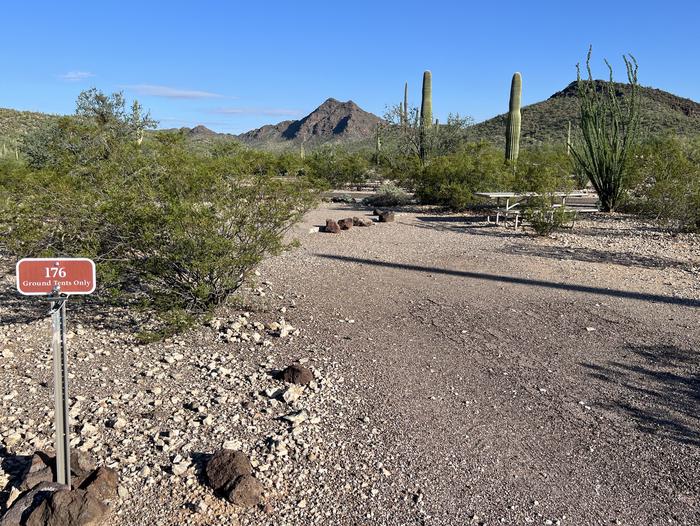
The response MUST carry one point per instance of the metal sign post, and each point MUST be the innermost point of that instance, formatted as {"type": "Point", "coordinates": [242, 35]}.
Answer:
{"type": "Point", "coordinates": [60, 383]}
{"type": "Point", "coordinates": [55, 280]}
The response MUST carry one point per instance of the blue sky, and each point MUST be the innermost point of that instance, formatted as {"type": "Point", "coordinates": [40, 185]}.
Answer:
{"type": "Point", "coordinates": [234, 66]}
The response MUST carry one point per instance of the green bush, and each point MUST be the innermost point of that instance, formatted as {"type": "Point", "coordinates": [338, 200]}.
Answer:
{"type": "Point", "coordinates": [337, 167]}
{"type": "Point", "coordinates": [171, 230]}
{"type": "Point", "coordinates": [667, 182]}
{"type": "Point", "coordinates": [543, 169]}
{"type": "Point", "coordinates": [389, 194]}
{"type": "Point", "coordinates": [543, 218]}
{"type": "Point", "coordinates": [452, 180]}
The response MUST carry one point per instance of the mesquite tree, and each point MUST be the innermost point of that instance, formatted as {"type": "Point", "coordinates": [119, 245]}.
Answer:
{"type": "Point", "coordinates": [609, 122]}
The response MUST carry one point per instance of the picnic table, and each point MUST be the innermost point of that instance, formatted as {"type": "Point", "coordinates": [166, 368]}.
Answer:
{"type": "Point", "coordinates": [512, 208]}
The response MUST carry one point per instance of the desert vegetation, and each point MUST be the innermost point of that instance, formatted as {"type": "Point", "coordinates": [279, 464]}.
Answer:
{"type": "Point", "coordinates": [172, 230]}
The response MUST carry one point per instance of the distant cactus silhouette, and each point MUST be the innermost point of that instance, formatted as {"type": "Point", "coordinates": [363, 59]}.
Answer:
{"type": "Point", "coordinates": [513, 126]}
{"type": "Point", "coordinates": [405, 103]}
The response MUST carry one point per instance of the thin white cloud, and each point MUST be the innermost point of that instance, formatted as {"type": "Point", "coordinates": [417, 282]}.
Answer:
{"type": "Point", "coordinates": [255, 111]}
{"type": "Point", "coordinates": [171, 93]}
{"type": "Point", "coordinates": [75, 76]}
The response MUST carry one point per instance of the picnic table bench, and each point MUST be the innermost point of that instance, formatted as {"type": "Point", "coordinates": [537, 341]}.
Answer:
{"type": "Point", "coordinates": [508, 204]}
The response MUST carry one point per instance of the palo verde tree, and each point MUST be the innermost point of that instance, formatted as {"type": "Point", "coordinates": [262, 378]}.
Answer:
{"type": "Point", "coordinates": [609, 121]}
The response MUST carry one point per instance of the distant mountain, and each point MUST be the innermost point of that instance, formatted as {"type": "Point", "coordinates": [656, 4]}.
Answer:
{"type": "Point", "coordinates": [332, 122]}
{"type": "Point", "coordinates": [346, 124]}
{"type": "Point", "coordinates": [547, 121]}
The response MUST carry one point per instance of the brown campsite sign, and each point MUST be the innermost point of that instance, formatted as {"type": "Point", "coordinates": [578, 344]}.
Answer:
{"type": "Point", "coordinates": [43, 276]}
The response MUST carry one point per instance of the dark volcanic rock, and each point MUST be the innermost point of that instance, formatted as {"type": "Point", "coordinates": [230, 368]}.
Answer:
{"type": "Point", "coordinates": [69, 508]}
{"type": "Point", "coordinates": [362, 221]}
{"type": "Point", "coordinates": [28, 502]}
{"type": "Point", "coordinates": [225, 467]}
{"type": "Point", "coordinates": [102, 484]}
{"type": "Point", "coordinates": [297, 374]}
{"type": "Point", "coordinates": [40, 470]}
{"type": "Point", "coordinates": [345, 224]}
{"type": "Point", "coordinates": [332, 226]}
{"type": "Point", "coordinates": [245, 491]}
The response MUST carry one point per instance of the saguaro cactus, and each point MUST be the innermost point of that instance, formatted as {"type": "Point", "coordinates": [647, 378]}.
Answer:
{"type": "Point", "coordinates": [405, 103]}
{"type": "Point", "coordinates": [302, 153]}
{"type": "Point", "coordinates": [426, 107]}
{"type": "Point", "coordinates": [513, 126]}
{"type": "Point", "coordinates": [568, 140]}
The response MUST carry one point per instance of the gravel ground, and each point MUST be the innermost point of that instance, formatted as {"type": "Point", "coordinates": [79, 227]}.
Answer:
{"type": "Point", "coordinates": [465, 374]}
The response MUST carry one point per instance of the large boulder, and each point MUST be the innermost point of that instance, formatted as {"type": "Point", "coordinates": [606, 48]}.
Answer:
{"type": "Point", "coordinates": [332, 226]}
{"type": "Point", "coordinates": [297, 374]}
{"type": "Point", "coordinates": [225, 466]}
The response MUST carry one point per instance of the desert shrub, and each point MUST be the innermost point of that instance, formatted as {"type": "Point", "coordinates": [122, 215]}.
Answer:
{"type": "Point", "coordinates": [389, 194]}
{"type": "Point", "coordinates": [451, 180]}
{"type": "Point", "coordinates": [543, 169]}
{"type": "Point", "coordinates": [171, 230]}
{"type": "Point", "coordinates": [338, 167]}
{"type": "Point", "coordinates": [667, 182]}
{"type": "Point", "coordinates": [542, 217]}
{"type": "Point", "coordinates": [101, 124]}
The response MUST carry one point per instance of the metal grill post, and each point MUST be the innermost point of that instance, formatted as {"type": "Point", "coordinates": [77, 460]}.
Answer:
{"type": "Point", "coordinates": [60, 376]}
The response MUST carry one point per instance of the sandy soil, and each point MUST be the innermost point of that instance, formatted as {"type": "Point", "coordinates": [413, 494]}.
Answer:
{"type": "Point", "coordinates": [467, 374]}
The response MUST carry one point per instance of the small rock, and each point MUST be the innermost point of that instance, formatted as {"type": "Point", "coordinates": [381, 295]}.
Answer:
{"type": "Point", "coordinates": [345, 224]}
{"type": "Point", "coordinates": [297, 417]}
{"type": "Point", "coordinates": [297, 374]}
{"type": "Point", "coordinates": [292, 393]}
{"type": "Point", "coordinates": [387, 217]}
{"type": "Point", "coordinates": [245, 491]}
{"type": "Point", "coordinates": [332, 226]}
{"type": "Point", "coordinates": [362, 221]}
{"type": "Point", "coordinates": [225, 466]}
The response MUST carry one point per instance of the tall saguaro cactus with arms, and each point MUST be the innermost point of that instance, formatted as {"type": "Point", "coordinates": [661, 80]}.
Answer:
{"type": "Point", "coordinates": [513, 126]}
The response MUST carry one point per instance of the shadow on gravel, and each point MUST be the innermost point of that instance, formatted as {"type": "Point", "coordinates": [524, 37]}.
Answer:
{"type": "Point", "coordinates": [615, 293]}
{"type": "Point", "coordinates": [87, 310]}
{"type": "Point", "coordinates": [594, 256]}
{"type": "Point", "coordinates": [660, 391]}
{"type": "Point", "coordinates": [16, 466]}
{"type": "Point", "coordinates": [474, 225]}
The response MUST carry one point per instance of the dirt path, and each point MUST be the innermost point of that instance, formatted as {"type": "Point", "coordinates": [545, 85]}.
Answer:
{"type": "Point", "coordinates": [464, 374]}
{"type": "Point", "coordinates": [509, 379]}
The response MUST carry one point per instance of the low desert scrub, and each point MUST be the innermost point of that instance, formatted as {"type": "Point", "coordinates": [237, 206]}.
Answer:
{"type": "Point", "coordinates": [171, 230]}
{"type": "Point", "coordinates": [389, 194]}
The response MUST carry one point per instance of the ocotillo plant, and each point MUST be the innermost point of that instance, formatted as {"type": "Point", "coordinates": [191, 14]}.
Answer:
{"type": "Point", "coordinates": [609, 130]}
{"type": "Point", "coordinates": [513, 126]}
